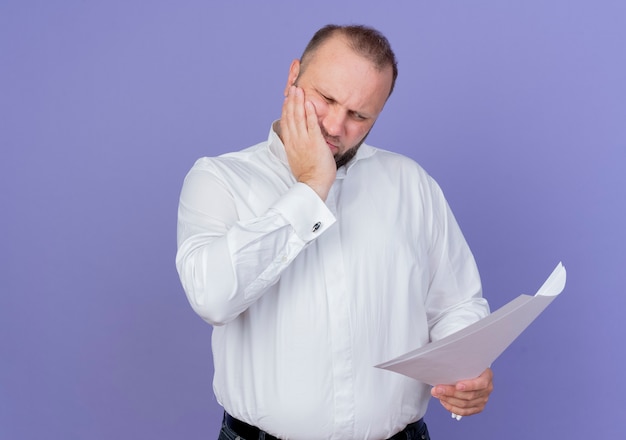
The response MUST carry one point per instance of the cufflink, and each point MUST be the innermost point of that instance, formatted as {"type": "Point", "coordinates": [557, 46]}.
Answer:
{"type": "Point", "coordinates": [316, 226]}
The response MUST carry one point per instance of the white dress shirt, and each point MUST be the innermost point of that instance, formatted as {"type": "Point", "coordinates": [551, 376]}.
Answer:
{"type": "Point", "coordinates": [307, 296]}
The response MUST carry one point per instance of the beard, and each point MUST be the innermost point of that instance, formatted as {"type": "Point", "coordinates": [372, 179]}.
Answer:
{"type": "Point", "coordinates": [342, 159]}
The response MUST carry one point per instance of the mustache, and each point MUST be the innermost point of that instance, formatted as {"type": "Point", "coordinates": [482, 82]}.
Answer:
{"type": "Point", "coordinates": [332, 139]}
{"type": "Point", "coordinates": [348, 155]}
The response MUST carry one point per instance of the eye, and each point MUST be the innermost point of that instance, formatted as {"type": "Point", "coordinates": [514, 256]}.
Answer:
{"type": "Point", "coordinates": [327, 99]}
{"type": "Point", "coordinates": [358, 116]}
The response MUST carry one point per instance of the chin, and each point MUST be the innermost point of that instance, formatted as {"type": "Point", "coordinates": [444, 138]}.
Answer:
{"type": "Point", "coordinates": [345, 157]}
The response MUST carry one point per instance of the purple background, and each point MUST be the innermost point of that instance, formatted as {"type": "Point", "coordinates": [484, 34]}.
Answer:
{"type": "Point", "coordinates": [517, 108]}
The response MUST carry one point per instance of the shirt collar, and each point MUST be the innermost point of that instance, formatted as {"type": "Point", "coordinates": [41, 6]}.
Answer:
{"type": "Point", "coordinates": [277, 149]}
{"type": "Point", "coordinates": [275, 145]}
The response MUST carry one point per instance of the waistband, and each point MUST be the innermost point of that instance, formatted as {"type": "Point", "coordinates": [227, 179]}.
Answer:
{"type": "Point", "coordinates": [249, 432]}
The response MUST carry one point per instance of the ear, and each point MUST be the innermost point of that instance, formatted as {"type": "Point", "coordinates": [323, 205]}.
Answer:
{"type": "Point", "coordinates": [294, 71]}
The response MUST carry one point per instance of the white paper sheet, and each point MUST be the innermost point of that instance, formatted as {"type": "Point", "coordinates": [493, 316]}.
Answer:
{"type": "Point", "coordinates": [468, 352]}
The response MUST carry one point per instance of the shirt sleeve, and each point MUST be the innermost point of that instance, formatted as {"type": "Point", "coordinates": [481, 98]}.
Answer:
{"type": "Point", "coordinates": [225, 264]}
{"type": "Point", "coordinates": [454, 298]}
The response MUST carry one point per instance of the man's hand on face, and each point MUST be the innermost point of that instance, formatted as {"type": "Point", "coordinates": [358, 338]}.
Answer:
{"type": "Point", "coordinates": [310, 158]}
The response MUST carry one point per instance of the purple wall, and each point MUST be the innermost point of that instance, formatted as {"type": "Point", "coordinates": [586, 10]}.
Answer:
{"type": "Point", "coordinates": [518, 108]}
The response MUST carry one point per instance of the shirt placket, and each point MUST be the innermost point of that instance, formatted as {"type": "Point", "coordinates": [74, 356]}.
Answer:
{"type": "Point", "coordinates": [340, 325]}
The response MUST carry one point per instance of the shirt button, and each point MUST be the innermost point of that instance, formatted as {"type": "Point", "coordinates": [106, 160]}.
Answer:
{"type": "Point", "coordinates": [316, 226]}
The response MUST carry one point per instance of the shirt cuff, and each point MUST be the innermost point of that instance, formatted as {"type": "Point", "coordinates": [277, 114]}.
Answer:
{"type": "Point", "coordinates": [305, 211]}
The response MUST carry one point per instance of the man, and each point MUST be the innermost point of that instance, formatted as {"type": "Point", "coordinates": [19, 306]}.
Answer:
{"type": "Point", "coordinates": [316, 256]}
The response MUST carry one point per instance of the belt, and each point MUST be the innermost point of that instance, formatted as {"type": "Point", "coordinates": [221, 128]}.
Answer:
{"type": "Point", "coordinates": [249, 432]}
{"type": "Point", "coordinates": [245, 431]}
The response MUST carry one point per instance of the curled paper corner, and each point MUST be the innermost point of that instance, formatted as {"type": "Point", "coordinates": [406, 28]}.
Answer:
{"type": "Point", "coordinates": [555, 282]}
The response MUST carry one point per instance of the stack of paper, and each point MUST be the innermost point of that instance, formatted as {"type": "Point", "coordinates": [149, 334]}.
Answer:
{"type": "Point", "coordinates": [468, 352]}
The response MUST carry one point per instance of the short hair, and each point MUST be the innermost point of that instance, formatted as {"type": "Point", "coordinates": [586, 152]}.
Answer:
{"type": "Point", "coordinates": [365, 41]}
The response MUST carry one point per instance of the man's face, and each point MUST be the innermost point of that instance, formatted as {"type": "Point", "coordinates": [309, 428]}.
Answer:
{"type": "Point", "coordinates": [347, 90]}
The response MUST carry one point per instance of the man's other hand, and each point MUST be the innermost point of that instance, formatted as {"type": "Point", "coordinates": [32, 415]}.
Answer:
{"type": "Point", "coordinates": [466, 397]}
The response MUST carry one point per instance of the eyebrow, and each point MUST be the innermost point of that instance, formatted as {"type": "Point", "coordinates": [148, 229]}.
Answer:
{"type": "Point", "coordinates": [354, 112]}
{"type": "Point", "coordinates": [359, 114]}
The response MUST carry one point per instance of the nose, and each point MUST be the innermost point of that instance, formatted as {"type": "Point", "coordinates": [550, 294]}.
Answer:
{"type": "Point", "coordinates": [333, 121]}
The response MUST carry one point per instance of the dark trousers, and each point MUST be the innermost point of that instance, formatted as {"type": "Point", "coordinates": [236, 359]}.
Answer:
{"type": "Point", "coordinates": [233, 429]}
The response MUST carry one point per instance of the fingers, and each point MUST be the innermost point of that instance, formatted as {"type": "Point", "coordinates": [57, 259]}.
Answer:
{"type": "Point", "coordinates": [299, 124]}
{"type": "Point", "coordinates": [292, 120]}
{"type": "Point", "coordinates": [466, 397]}
{"type": "Point", "coordinates": [313, 126]}
{"type": "Point", "coordinates": [309, 157]}
{"type": "Point", "coordinates": [485, 380]}
{"type": "Point", "coordinates": [463, 403]}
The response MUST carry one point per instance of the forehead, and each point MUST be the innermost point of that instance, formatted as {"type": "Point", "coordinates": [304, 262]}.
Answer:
{"type": "Point", "coordinates": [335, 68]}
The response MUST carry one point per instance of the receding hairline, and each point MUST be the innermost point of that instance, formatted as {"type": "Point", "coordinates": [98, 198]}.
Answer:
{"type": "Point", "coordinates": [365, 41]}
